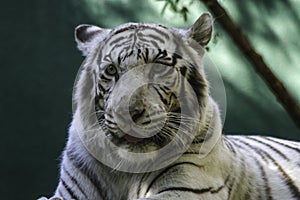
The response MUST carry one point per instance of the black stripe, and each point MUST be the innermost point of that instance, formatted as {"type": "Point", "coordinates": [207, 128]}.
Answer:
{"type": "Point", "coordinates": [119, 60]}
{"type": "Point", "coordinates": [110, 122]}
{"type": "Point", "coordinates": [162, 26]}
{"type": "Point", "coordinates": [60, 194]}
{"type": "Point", "coordinates": [256, 150]}
{"type": "Point", "coordinates": [242, 175]}
{"type": "Point", "coordinates": [161, 54]}
{"type": "Point", "coordinates": [175, 58]}
{"type": "Point", "coordinates": [265, 179]}
{"type": "Point", "coordinates": [230, 146]}
{"type": "Point", "coordinates": [282, 144]}
{"type": "Point", "coordinates": [101, 88]}
{"type": "Point", "coordinates": [146, 55]}
{"type": "Point", "coordinates": [233, 181]}
{"type": "Point", "coordinates": [156, 38]}
{"type": "Point", "coordinates": [183, 189]}
{"type": "Point", "coordinates": [190, 153]}
{"type": "Point", "coordinates": [166, 170]}
{"type": "Point", "coordinates": [103, 76]}
{"type": "Point", "coordinates": [132, 26]}
{"type": "Point", "coordinates": [161, 33]}
{"type": "Point", "coordinates": [161, 96]}
{"type": "Point", "coordinates": [142, 39]}
{"type": "Point", "coordinates": [71, 193]}
{"type": "Point", "coordinates": [78, 163]}
{"type": "Point", "coordinates": [271, 147]}
{"type": "Point", "coordinates": [230, 186]}
{"type": "Point", "coordinates": [164, 89]}
{"type": "Point", "coordinates": [196, 191]}
{"type": "Point", "coordinates": [199, 140]}
{"type": "Point", "coordinates": [145, 175]}
{"type": "Point", "coordinates": [124, 45]}
{"type": "Point", "coordinates": [116, 40]}
{"type": "Point", "coordinates": [208, 136]}
{"type": "Point", "coordinates": [222, 186]}
{"type": "Point", "coordinates": [140, 26]}
{"type": "Point", "coordinates": [197, 82]}
{"type": "Point", "coordinates": [155, 44]}
{"type": "Point", "coordinates": [172, 99]}
{"type": "Point", "coordinates": [287, 179]}
{"type": "Point", "coordinates": [183, 70]}
{"type": "Point", "coordinates": [74, 181]}
{"type": "Point", "coordinates": [109, 115]}
{"type": "Point", "coordinates": [145, 42]}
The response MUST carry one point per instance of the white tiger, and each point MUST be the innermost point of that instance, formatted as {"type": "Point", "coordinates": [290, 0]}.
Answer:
{"type": "Point", "coordinates": [205, 165]}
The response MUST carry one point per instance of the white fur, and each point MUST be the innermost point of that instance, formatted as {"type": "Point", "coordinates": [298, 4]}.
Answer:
{"type": "Point", "coordinates": [219, 167]}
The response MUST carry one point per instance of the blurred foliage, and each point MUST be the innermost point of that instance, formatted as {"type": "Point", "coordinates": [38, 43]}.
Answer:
{"type": "Point", "coordinates": [175, 7]}
{"type": "Point", "coordinates": [40, 61]}
{"type": "Point", "coordinates": [273, 28]}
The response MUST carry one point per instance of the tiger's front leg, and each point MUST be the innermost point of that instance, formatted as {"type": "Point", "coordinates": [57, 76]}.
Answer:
{"type": "Point", "coordinates": [186, 180]}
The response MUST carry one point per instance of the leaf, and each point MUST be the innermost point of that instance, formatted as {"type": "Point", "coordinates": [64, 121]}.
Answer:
{"type": "Point", "coordinates": [164, 8]}
{"type": "Point", "coordinates": [173, 5]}
{"type": "Point", "coordinates": [184, 10]}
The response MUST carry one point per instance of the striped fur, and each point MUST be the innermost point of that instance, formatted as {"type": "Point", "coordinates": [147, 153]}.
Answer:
{"type": "Point", "coordinates": [212, 167]}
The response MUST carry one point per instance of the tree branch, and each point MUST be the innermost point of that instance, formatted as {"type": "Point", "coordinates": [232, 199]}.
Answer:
{"type": "Point", "coordinates": [241, 40]}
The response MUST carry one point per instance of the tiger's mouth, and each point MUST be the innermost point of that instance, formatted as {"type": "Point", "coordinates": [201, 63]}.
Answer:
{"type": "Point", "coordinates": [131, 140]}
{"type": "Point", "coordinates": [140, 133]}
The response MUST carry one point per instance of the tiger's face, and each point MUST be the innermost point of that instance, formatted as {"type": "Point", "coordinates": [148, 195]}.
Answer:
{"type": "Point", "coordinates": [144, 83]}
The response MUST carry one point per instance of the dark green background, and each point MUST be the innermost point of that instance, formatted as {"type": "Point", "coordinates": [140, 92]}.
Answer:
{"type": "Point", "coordinates": [39, 62]}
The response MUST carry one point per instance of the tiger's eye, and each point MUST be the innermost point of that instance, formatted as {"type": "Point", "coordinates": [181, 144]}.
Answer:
{"type": "Point", "coordinates": [111, 70]}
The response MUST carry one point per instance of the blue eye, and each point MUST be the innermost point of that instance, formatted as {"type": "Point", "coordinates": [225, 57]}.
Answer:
{"type": "Point", "coordinates": [111, 70]}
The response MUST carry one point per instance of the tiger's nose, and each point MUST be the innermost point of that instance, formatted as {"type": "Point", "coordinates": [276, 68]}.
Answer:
{"type": "Point", "coordinates": [137, 113]}
{"type": "Point", "coordinates": [137, 109]}
{"type": "Point", "coordinates": [134, 112]}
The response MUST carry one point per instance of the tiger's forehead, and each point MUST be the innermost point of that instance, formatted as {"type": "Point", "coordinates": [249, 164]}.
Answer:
{"type": "Point", "coordinates": [135, 43]}
{"type": "Point", "coordinates": [163, 30]}
{"type": "Point", "coordinates": [139, 34]}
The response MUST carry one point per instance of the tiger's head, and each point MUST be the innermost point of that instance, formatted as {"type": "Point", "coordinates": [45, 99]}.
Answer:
{"type": "Point", "coordinates": [141, 85]}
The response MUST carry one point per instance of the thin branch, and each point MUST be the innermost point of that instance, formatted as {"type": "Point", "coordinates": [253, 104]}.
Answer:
{"type": "Point", "coordinates": [241, 40]}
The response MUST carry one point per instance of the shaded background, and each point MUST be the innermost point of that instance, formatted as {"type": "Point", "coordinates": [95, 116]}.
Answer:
{"type": "Point", "coordinates": [40, 61]}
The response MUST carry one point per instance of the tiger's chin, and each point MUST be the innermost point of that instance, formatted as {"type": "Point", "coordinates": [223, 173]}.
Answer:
{"type": "Point", "coordinates": [132, 139]}
{"type": "Point", "coordinates": [132, 144]}
{"type": "Point", "coordinates": [135, 151]}
{"type": "Point", "coordinates": [146, 154]}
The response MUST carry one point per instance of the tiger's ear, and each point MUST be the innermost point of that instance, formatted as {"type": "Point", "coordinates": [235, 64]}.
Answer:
{"type": "Point", "coordinates": [201, 30]}
{"type": "Point", "coordinates": [87, 35]}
